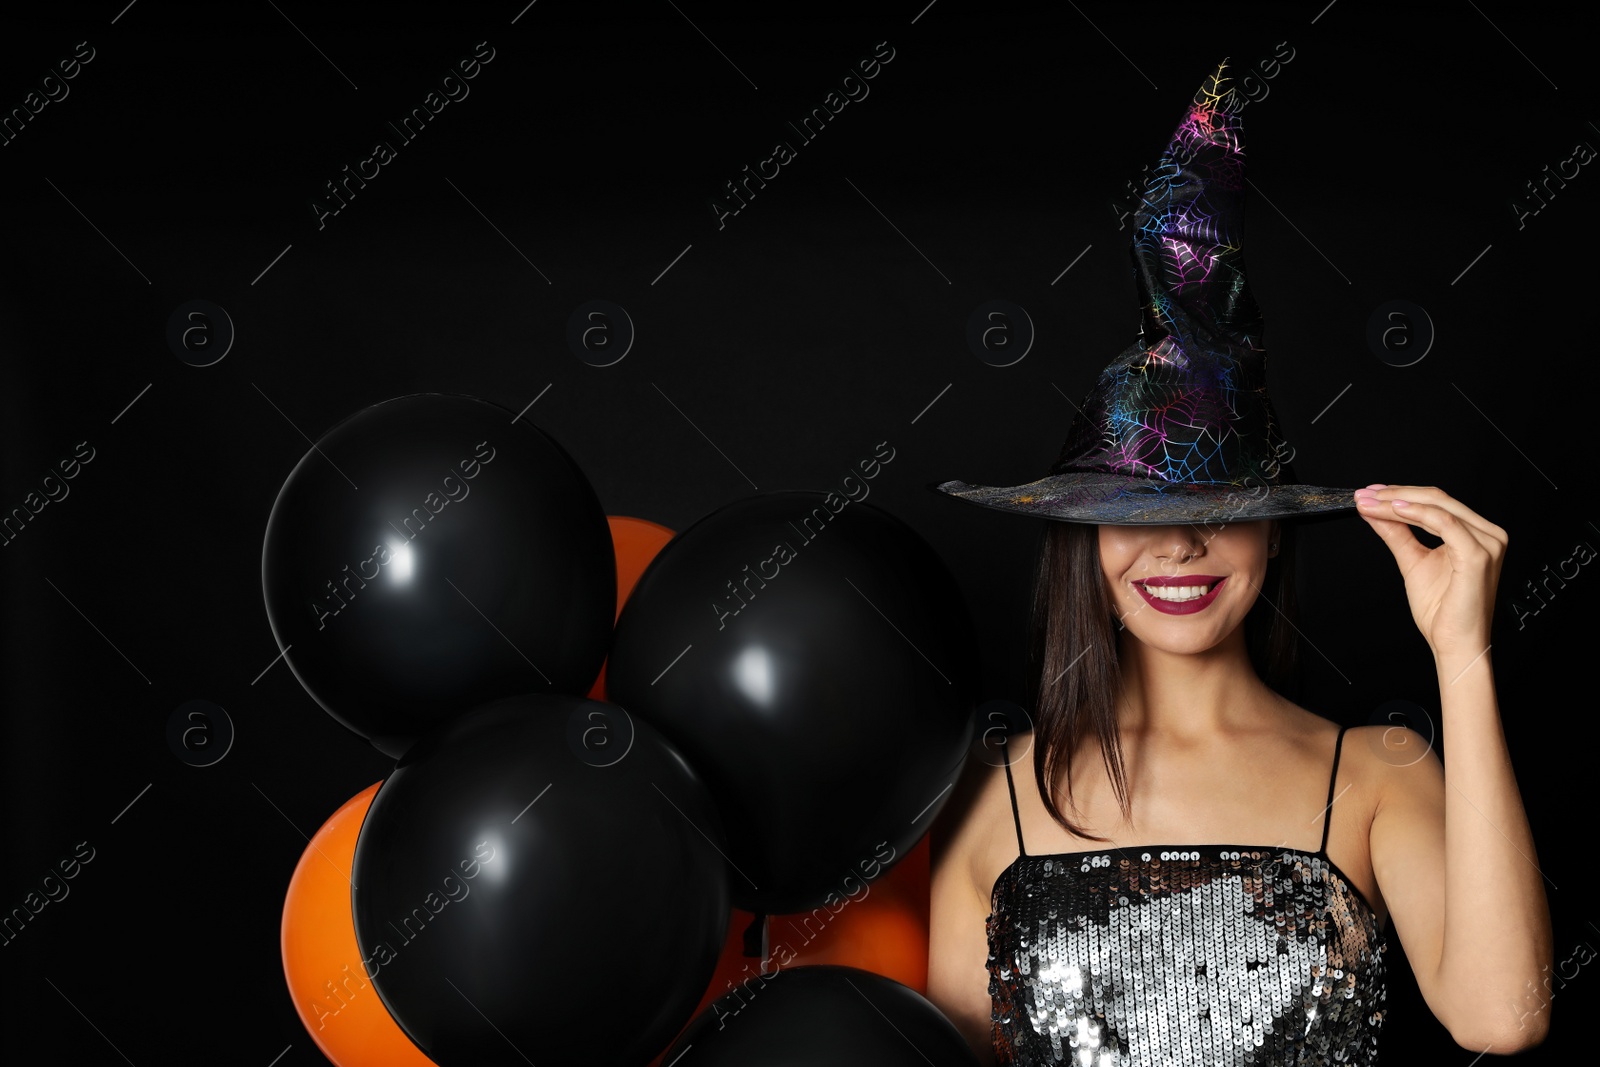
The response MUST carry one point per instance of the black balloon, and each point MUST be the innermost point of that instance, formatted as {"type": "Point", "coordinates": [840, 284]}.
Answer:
{"type": "Point", "coordinates": [814, 659]}
{"type": "Point", "coordinates": [429, 554]}
{"type": "Point", "coordinates": [539, 881]}
{"type": "Point", "coordinates": [823, 1014]}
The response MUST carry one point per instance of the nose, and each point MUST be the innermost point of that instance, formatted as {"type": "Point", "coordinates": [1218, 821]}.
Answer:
{"type": "Point", "coordinates": [1180, 544]}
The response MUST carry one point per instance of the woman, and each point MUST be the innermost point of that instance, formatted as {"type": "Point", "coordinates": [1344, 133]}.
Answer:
{"type": "Point", "coordinates": [1210, 753]}
{"type": "Point", "coordinates": [1202, 871]}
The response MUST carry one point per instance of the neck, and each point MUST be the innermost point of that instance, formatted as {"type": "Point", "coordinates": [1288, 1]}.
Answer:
{"type": "Point", "coordinates": [1188, 696]}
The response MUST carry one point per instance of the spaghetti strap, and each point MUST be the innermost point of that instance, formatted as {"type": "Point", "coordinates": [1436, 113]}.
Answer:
{"type": "Point", "coordinates": [1017, 819]}
{"type": "Point", "coordinates": [1333, 777]}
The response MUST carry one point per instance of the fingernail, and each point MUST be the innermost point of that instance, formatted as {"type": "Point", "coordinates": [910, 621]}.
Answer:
{"type": "Point", "coordinates": [1399, 503]}
{"type": "Point", "coordinates": [1366, 501]}
{"type": "Point", "coordinates": [1363, 494]}
{"type": "Point", "coordinates": [1377, 485]}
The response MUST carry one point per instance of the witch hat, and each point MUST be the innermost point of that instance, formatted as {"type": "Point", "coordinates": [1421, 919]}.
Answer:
{"type": "Point", "coordinates": [1178, 428]}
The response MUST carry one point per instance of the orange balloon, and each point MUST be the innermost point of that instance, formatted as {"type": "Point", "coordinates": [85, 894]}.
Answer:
{"type": "Point", "coordinates": [884, 930]}
{"type": "Point", "coordinates": [322, 961]}
{"type": "Point", "coordinates": [636, 542]}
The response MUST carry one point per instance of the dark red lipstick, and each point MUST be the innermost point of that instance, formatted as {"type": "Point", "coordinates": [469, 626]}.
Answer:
{"type": "Point", "coordinates": [1180, 607]}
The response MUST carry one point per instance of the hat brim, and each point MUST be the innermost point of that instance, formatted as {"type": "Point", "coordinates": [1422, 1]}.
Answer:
{"type": "Point", "coordinates": [1121, 500]}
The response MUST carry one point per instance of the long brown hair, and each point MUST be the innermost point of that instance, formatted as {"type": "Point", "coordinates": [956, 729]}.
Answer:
{"type": "Point", "coordinates": [1074, 644]}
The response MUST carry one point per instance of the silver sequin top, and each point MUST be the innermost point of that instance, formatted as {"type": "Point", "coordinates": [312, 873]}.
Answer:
{"type": "Point", "coordinates": [1172, 956]}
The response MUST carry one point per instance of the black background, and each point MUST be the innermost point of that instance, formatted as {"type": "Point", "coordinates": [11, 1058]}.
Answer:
{"type": "Point", "coordinates": [824, 318]}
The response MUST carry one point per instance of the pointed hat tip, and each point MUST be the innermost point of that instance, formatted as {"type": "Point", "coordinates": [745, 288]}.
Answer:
{"type": "Point", "coordinates": [1214, 117]}
{"type": "Point", "coordinates": [1188, 241]}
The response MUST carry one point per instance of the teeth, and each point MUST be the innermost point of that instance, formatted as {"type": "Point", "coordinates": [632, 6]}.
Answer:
{"type": "Point", "coordinates": [1177, 592]}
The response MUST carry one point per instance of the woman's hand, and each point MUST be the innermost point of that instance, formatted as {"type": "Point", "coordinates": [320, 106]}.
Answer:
{"type": "Point", "coordinates": [1452, 587]}
{"type": "Point", "coordinates": [1469, 905]}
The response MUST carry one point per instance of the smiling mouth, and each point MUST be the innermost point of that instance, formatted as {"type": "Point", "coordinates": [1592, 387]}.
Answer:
{"type": "Point", "coordinates": [1180, 595]}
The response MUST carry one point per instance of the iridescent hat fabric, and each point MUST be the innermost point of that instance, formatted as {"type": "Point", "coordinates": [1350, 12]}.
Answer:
{"type": "Point", "coordinates": [1179, 428]}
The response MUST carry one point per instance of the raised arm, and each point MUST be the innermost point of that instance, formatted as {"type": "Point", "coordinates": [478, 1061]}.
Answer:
{"type": "Point", "coordinates": [1451, 848]}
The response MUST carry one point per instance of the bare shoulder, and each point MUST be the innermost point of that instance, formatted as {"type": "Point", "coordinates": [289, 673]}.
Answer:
{"type": "Point", "coordinates": [1395, 762]}
{"type": "Point", "coordinates": [1376, 761]}
{"type": "Point", "coordinates": [963, 835]}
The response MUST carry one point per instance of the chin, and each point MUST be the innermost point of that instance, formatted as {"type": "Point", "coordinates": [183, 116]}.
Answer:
{"type": "Point", "coordinates": [1178, 642]}
{"type": "Point", "coordinates": [1186, 635]}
